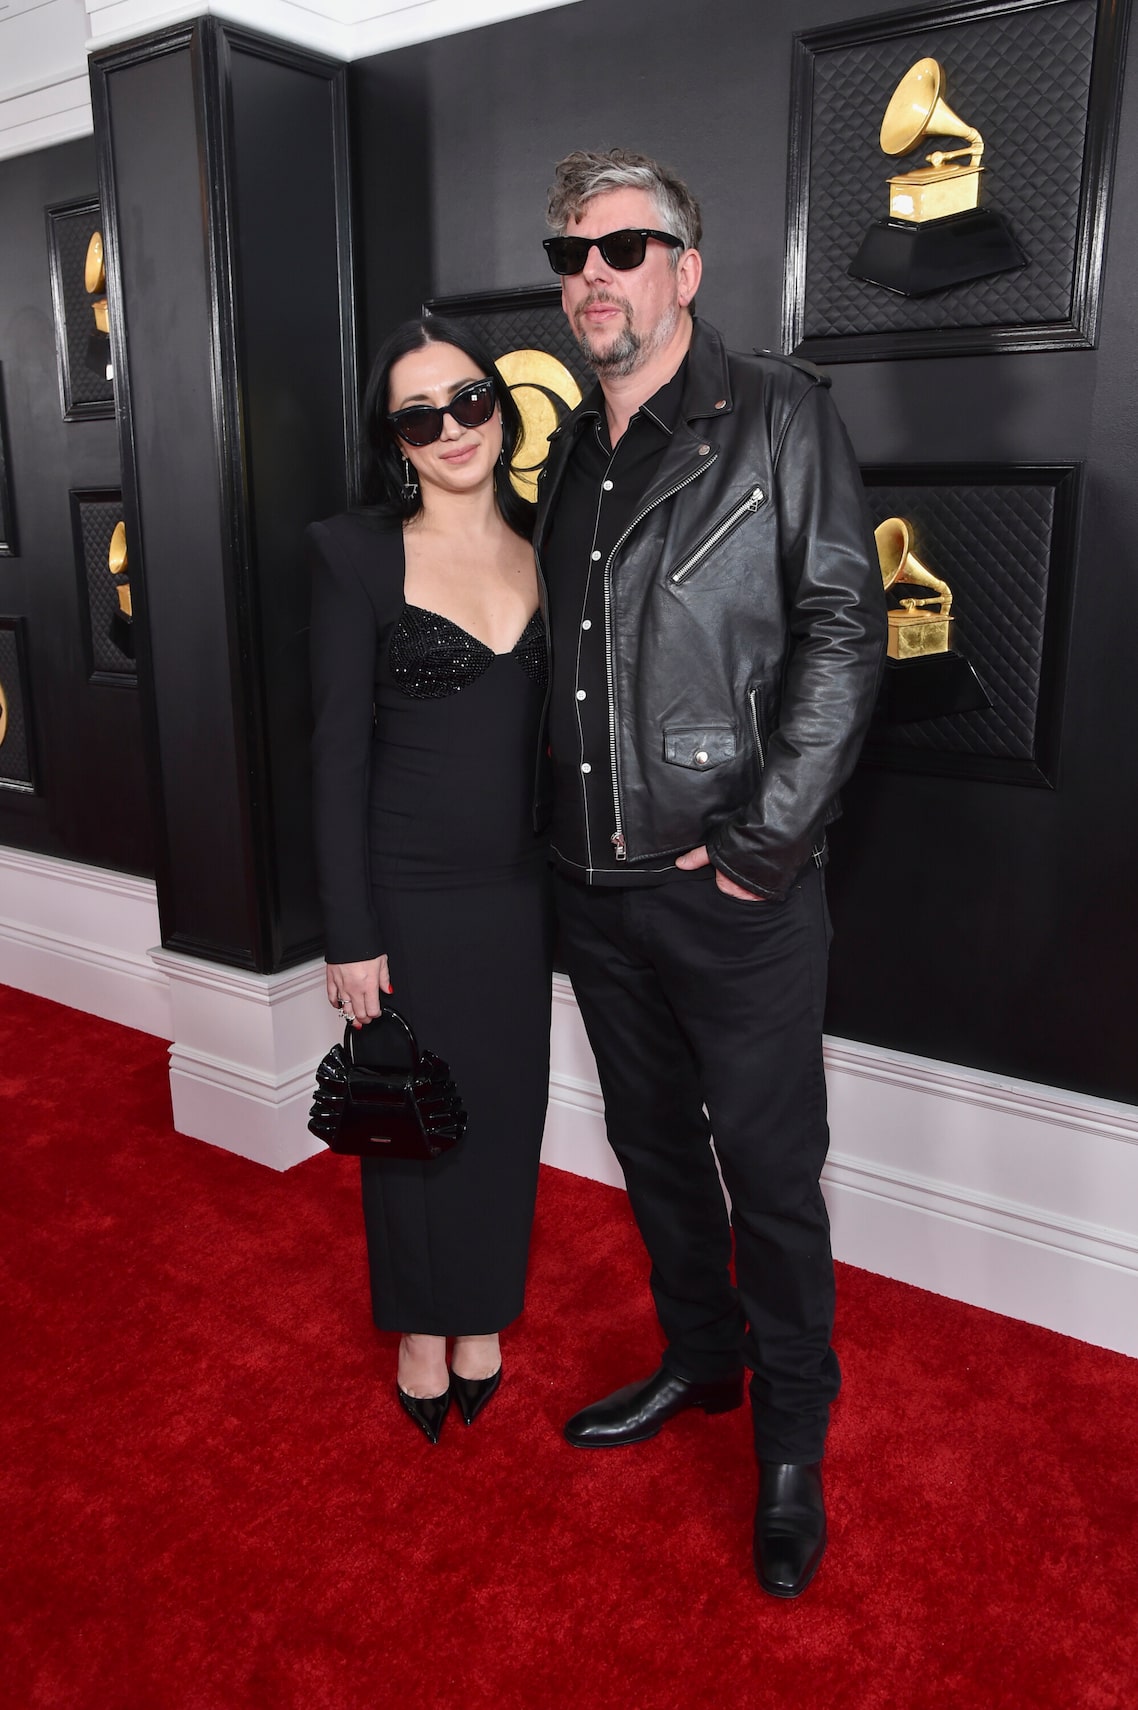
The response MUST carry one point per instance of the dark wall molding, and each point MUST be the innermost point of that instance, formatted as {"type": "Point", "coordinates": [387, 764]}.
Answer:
{"type": "Point", "coordinates": [263, 128]}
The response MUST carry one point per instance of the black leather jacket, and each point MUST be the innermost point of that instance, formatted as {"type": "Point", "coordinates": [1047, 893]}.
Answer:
{"type": "Point", "coordinates": [745, 622]}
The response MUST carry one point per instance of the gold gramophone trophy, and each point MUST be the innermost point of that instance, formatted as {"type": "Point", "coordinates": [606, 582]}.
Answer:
{"type": "Point", "coordinates": [936, 234]}
{"type": "Point", "coordinates": [121, 628]}
{"type": "Point", "coordinates": [924, 676]}
{"type": "Point", "coordinates": [95, 285]}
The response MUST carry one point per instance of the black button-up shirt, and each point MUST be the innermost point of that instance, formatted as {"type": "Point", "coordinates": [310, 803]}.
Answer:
{"type": "Point", "coordinates": [597, 504]}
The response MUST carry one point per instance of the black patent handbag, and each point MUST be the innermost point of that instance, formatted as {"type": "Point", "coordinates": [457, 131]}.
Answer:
{"type": "Point", "coordinates": [379, 1096]}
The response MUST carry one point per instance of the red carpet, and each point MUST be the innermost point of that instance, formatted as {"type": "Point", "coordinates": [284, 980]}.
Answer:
{"type": "Point", "coordinates": [211, 1500]}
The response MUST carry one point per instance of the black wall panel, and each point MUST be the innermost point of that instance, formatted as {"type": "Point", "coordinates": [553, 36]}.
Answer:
{"type": "Point", "coordinates": [92, 802]}
{"type": "Point", "coordinates": [976, 922]}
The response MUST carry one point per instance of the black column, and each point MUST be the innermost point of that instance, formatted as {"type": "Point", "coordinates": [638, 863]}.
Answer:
{"type": "Point", "coordinates": [223, 168]}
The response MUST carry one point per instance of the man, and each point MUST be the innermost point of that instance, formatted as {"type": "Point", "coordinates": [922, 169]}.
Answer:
{"type": "Point", "coordinates": [718, 622]}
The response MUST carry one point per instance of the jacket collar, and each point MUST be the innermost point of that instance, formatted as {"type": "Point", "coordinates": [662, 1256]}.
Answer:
{"type": "Point", "coordinates": [707, 394]}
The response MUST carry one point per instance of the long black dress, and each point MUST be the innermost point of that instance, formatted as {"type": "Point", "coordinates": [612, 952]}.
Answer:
{"type": "Point", "coordinates": [427, 851]}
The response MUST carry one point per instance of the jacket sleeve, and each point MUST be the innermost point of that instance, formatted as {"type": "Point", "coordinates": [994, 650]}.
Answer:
{"type": "Point", "coordinates": [835, 613]}
{"type": "Point", "coordinates": [343, 640]}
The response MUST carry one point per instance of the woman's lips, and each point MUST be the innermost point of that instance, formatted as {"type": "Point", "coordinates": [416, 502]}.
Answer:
{"type": "Point", "coordinates": [462, 455]}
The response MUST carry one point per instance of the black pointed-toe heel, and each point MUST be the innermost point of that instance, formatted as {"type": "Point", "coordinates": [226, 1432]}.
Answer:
{"type": "Point", "coordinates": [472, 1394]}
{"type": "Point", "coordinates": [428, 1411]}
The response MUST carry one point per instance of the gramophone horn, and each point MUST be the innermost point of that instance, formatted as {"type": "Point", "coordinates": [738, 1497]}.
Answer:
{"type": "Point", "coordinates": [894, 540]}
{"type": "Point", "coordinates": [917, 110]}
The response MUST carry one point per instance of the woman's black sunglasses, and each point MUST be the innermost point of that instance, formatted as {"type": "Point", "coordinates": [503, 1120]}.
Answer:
{"type": "Point", "coordinates": [622, 250]}
{"type": "Point", "coordinates": [421, 424]}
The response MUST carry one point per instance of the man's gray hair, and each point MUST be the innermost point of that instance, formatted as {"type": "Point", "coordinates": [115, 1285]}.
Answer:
{"type": "Point", "coordinates": [591, 172]}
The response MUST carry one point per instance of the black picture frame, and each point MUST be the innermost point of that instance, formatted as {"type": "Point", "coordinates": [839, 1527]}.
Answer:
{"type": "Point", "coordinates": [17, 744]}
{"type": "Point", "coordinates": [1004, 537]}
{"type": "Point", "coordinates": [8, 544]}
{"type": "Point", "coordinates": [84, 393]}
{"type": "Point", "coordinates": [1050, 304]}
{"type": "Point", "coordinates": [108, 644]}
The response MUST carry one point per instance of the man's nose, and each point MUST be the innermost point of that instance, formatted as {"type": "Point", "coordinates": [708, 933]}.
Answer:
{"type": "Point", "coordinates": [596, 268]}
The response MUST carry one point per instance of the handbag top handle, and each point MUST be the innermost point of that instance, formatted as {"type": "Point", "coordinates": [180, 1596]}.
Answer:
{"type": "Point", "coordinates": [388, 1010]}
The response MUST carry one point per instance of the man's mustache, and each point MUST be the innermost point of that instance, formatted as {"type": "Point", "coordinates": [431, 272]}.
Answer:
{"type": "Point", "coordinates": [609, 297]}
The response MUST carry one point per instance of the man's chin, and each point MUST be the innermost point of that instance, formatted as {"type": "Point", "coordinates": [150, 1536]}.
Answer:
{"type": "Point", "coordinates": [617, 354]}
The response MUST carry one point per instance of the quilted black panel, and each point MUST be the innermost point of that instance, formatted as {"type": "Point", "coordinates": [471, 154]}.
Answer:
{"type": "Point", "coordinates": [15, 748]}
{"type": "Point", "coordinates": [96, 519]}
{"type": "Point", "coordinates": [994, 546]}
{"type": "Point", "coordinates": [1023, 79]}
{"type": "Point", "coordinates": [86, 355]}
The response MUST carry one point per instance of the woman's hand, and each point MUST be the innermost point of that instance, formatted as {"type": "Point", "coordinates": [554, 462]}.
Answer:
{"type": "Point", "coordinates": [354, 988]}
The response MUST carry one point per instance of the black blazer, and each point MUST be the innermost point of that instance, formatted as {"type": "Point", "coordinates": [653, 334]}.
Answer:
{"type": "Point", "coordinates": [358, 569]}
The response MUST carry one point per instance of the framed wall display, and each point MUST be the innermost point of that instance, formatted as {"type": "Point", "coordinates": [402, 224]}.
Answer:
{"type": "Point", "coordinates": [17, 765]}
{"type": "Point", "coordinates": [79, 299]}
{"type": "Point", "coordinates": [103, 569]}
{"type": "Point", "coordinates": [529, 337]}
{"type": "Point", "coordinates": [949, 179]}
{"type": "Point", "coordinates": [7, 519]}
{"type": "Point", "coordinates": [980, 584]}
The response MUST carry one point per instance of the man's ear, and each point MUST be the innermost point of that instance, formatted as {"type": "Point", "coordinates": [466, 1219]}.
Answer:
{"type": "Point", "coordinates": [689, 273]}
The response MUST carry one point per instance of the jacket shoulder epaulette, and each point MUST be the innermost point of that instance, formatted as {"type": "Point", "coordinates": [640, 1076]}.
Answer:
{"type": "Point", "coordinates": [816, 374]}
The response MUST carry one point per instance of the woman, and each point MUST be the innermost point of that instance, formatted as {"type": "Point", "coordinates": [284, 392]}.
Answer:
{"type": "Point", "coordinates": [433, 880]}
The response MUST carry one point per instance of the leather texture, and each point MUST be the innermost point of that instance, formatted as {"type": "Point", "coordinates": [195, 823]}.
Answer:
{"type": "Point", "coordinates": [640, 1410]}
{"type": "Point", "coordinates": [428, 1411]}
{"type": "Point", "coordinates": [790, 1527]}
{"type": "Point", "coordinates": [472, 1394]}
{"type": "Point", "coordinates": [746, 600]}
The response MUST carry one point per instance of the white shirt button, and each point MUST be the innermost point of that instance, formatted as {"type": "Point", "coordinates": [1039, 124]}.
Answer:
{"type": "Point", "coordinates": [607, 485]}
{"type": "Point", "coordinates": [596, 555]}
{"type": "Point", "coordinates": [585, 767]}
{"type": "Point", "coordinates": [580, 694]}
{"type": "Point", "coordinates": [587, 624]}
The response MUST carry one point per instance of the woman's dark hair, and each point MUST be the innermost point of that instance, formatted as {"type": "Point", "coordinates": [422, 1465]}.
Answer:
{"type": "Point", "coordinates": [383, 472]}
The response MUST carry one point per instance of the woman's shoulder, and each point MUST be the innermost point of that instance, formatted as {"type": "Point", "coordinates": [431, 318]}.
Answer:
{"type": "Point", "coordinates": [371, 546]}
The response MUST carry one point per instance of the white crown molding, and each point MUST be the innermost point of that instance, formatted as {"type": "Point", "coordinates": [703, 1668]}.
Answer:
{"type": "Point", "coordinates": [346, 29]}
{"type": "Point", "coordinates": [39, 115]}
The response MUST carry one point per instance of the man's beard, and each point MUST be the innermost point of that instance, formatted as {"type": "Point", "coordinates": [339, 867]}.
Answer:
{"type": "Point", "coordinates": [629, 349]}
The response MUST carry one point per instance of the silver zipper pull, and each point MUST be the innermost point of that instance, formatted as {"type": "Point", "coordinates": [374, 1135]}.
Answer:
{"type": "Point", "coordinates": [618, 845]}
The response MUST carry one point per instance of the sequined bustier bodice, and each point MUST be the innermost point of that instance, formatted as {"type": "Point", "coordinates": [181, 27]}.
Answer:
{"type": "Point", "coordinates": [430, 656]}
{"type": "Point", "coordinates": [456, 735]}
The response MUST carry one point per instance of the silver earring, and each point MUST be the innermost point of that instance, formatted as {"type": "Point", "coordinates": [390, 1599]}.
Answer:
{"type": "Point", "coordinates": [409, 492]}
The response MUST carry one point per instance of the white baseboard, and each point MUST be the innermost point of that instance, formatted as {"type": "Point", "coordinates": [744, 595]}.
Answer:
{"type": "Point", "coordinates": [1009, 1195]}
{"type": "Point", "coordinates": [82, 936]}
{"type": "Point", "coordinates": [243, 1061]}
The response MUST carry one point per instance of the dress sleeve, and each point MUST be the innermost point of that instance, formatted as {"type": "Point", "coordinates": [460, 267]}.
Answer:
{"type": "Point", "coordinates": [343, 641]}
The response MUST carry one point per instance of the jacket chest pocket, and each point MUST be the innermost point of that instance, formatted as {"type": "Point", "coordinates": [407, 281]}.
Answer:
{"type": "Point", "coordinates": [722, 530]}
{"type": "Point", "coordinates": [700, 747]}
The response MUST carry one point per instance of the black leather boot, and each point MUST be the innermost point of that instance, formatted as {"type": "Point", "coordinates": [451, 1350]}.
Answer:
{"type": "Point", "coordinates": [790, 1527]}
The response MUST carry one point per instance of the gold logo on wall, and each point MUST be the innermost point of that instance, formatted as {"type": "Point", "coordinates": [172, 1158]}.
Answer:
{"type": "Point", "coordinates": [545, 392]}
{"type": "Point", "coordinates": [3, 715]}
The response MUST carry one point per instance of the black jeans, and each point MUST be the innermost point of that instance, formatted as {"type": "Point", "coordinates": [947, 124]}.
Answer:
{"type": "Point", "coordinates": [694, 999]}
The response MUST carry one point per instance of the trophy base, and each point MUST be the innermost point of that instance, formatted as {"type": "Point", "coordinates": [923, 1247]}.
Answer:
{"type": "Point", "coordinates": [913, 260]}
{"type": "Point", "coordinates": [120, 632]}
{"type": "Point", "coordinates": [932, 687]}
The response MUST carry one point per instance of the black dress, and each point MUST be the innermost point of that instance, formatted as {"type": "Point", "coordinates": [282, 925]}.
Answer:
{"type": "Point", "coordinates": [427, 851]}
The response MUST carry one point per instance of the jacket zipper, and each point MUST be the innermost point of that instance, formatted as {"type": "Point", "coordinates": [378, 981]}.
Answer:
{"type": "Point", "coordinates": [730, 523]}
{"type": "Point", "coordinates": [618, 842]}
{"type": "Point", "coordinates": [752, 702]}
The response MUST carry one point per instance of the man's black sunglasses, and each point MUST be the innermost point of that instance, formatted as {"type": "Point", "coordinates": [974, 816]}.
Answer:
{"type": "Point", "coordinates": [622, 250]}
{"type": "Point", "coordinates": [421, 424]}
